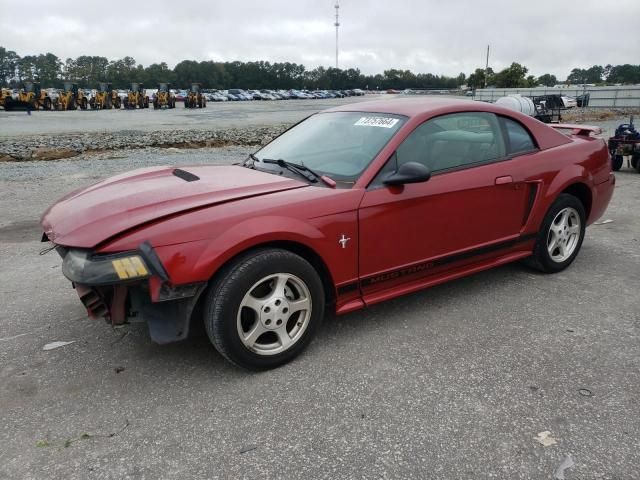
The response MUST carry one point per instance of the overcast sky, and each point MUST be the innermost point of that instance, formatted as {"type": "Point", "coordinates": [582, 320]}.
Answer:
{"type": "Point", "coordinates": [440, 37]}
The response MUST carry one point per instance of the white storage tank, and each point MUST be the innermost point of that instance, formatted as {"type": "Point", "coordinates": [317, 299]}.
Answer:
{"type": "Point", "coordinates": [518, 103]}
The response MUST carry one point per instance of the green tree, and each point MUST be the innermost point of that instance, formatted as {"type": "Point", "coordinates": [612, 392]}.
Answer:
{"type": "Point", "coordinates": [157, 73]}
{"type": "Point", "coordinates": [48, 69]}
{"type": "Point", "coordinates": [548, 80]}
{"type": "Point", "coordinates": [122, 72]}
{"type": "Point", "coordinates": [477, 78]}
{"type": "Point", "coordinates": [512, 77]}
{"type": "Point", "coordinates": [27, 68]}
{"type": "Point", "coordinates": [86, 70]}
{"type": "Point", "coordinates": [9, 61]}
{"type": "Point", "coordinates": [625, 74]}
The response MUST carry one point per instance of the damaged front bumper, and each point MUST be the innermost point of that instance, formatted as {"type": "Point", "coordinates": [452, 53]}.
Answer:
{"type": "Point", "coordinates": [132, 287]}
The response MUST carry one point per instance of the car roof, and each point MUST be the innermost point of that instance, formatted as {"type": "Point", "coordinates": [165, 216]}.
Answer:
{"type": "Point", "coordinates": [422, 108]}
{"type": "Point", "coordinates": [415, 106]}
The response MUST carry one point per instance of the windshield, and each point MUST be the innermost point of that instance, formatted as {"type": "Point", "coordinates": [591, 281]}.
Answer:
{"type": "Point", "coordinates": [337, 144]}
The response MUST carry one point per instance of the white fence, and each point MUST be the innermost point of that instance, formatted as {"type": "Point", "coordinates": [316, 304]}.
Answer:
{"type": "Point", "coordinates": [604, 97]}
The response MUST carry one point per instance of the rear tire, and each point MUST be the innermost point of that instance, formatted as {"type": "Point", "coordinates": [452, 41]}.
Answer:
{"type": "Point", "coordinates": [616, 162]}
{"type": "Point", "coordinates": [264, 308]}
{"type": "Point", "coordinates": [635, 161]}
{"type": "Point", "coordinates": [561, 235]}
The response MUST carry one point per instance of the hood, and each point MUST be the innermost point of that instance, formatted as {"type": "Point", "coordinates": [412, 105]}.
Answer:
{"type": "Point", "coordinates": [89, 216]}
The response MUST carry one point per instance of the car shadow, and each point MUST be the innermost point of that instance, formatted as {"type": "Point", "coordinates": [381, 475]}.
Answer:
{"type": "Point", "coordinates": [197, 352]}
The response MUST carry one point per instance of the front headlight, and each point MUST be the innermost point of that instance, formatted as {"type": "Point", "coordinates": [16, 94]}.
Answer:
{"type": "Point", "coordinates": [83, 267]}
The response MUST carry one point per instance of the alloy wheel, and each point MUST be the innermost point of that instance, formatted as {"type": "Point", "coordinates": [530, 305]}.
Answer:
{"type": "Point", "coordinates": [274, 314]}
{"type": "Point", "coordinates": [564, 235]}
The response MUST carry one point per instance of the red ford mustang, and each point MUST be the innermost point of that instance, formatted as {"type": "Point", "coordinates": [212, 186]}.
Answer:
{"type": "Point", "coordinates": [350, 207]}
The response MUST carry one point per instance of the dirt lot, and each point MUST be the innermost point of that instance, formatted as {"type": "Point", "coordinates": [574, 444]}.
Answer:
{"type": "Point", "coordinates": [452, 382]}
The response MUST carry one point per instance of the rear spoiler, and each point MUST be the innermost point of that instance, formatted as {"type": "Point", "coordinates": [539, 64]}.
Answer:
{"type": "Point", "coordinates": [582, 130]}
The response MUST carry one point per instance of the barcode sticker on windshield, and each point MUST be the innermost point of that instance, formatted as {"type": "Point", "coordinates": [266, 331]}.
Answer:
{"type": "Point", "coordinates": [384, 122]}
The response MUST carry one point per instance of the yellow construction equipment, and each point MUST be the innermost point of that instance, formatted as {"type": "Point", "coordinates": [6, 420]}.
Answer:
{"type": "Point", "coordinates": [163, 97]}
{"type": "Point", "coordinates": [4, 93]}
{"type": "Point", "coordinates": [137, 97]}
{"type": "Point", "coordinates": [81, 99]}
{"type": "Point", "coordinates": [70, 98]}
{"type": "Point", "coordinates": [105, 98]}
{"type": "Point", "coordinates": [194, 98]}
{"type": "Point", "coordinates": [31, 97]}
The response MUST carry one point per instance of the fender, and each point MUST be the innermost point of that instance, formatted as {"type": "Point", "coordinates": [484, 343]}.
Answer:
{"type": "Point", "coordinates": [566, 177]}
{"type": "Point", "coordinates": [200, 260]}
{"type": "Point", "coordinates": [253, 232]}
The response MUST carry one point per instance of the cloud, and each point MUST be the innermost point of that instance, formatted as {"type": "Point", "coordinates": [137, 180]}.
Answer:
{"type": "Point", "coordinates": [424, 36]}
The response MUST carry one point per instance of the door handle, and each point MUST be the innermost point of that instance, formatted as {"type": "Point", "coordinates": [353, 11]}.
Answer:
{"type": "Point", "coordinates": [504, 180]}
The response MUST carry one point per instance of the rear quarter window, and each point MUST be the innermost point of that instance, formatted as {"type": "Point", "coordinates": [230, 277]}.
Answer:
{"type": "Point", "coordinates": [518, 139]}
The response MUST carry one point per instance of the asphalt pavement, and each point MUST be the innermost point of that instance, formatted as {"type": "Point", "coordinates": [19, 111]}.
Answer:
{"type": "Point", "coordinates": [456, 381]}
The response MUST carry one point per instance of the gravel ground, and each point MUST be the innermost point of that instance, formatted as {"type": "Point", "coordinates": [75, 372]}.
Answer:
{"type": "Point", "coordinates": [215, 116]}
{"type": "Point", "coordinates": [72, 145]}
{"type": "Point", "coordinates": [452, 382]}
{"type": "Point", "coordinates": [238, 123]}
{"type": "Point", "coordinates": [55, 135]}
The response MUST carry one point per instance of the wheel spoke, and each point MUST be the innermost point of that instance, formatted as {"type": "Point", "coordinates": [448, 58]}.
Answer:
{"type": "Point", "coordinates": [253, 303]}
{"type": "Point", "coordinates": [561, 249]}
{"type": "Point", "coordinates": [552, 246]}
{"type": "Point", "coordinates": [283, 336]}
{"type": "Point", "coordinates": [254, 334]}
{"type": "Point", "coordinates": [278, 289]}
{"type": "Point", "coordinates": [296, 306]}
{"type": "Point", "coordinates": [574, 230]}
{"type": "Point", "coordinates": [563, 219]}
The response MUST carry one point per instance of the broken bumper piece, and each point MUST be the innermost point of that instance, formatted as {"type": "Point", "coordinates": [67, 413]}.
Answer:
{"type": "Point", "coordinates": [132, 287]}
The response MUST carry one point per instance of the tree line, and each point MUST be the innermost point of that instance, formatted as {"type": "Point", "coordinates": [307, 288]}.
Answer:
{"type": "Point", "coordinates": [88, 71]}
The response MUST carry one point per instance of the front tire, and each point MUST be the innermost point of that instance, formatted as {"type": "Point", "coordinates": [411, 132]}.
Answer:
{"type": "Point", "coordinates": [560, 238]}
{"type": "Point", "coordinates": [263, 309]}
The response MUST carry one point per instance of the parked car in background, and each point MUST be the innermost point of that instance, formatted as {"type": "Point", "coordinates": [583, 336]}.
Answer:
{"type": "Point", "coordinates": [285, 95]}
{"type": "Point", "coordinates": [296, 94]}
{"type": "Point", "coordinates": [569, 102]}
{"type": "Point", "coordinates": [241, 94]}
{"type": "Point", "coordinates": [219, 97]}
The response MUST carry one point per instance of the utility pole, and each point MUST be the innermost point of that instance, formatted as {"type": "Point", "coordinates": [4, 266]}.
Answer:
{"type": "Point", "coordinates": [486, 68]}
{"type": "Point", "coordinates": [337, 24]}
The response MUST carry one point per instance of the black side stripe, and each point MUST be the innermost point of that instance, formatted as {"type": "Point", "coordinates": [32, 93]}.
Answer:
{"type": "Point", "coordinates": [421, 267]}
{"type": "Point", "coordinates": [347, 288]}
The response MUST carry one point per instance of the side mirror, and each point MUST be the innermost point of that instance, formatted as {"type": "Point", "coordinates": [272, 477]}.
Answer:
{"type": "Point", "coordinates": [410, 172]}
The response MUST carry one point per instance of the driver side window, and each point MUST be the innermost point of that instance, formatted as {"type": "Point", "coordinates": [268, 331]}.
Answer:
{"type": "Point", "coordinates": [450, 142]}
{"type": "Point", "coordinates": [454, 141]}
